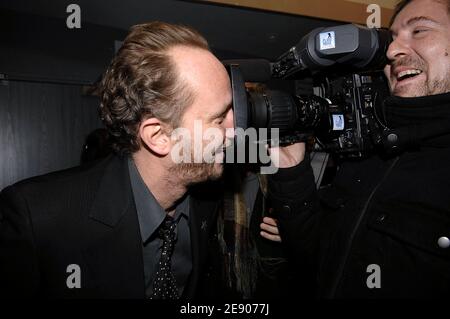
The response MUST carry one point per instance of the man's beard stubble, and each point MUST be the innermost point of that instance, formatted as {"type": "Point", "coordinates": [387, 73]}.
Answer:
{"type": "Point", "coordinates": [193, 173]}
{"type": "Point", "coordinates": [426, 88]}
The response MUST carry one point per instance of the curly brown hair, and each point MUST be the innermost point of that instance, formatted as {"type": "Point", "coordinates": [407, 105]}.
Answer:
{"type": "Point", "coordinates": [142, 82]}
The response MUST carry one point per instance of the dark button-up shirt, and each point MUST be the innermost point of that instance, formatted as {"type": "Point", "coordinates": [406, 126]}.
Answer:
{"type": "Point", "coordinates": [150, 216]}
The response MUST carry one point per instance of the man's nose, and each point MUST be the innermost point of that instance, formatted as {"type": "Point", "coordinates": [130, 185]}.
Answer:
{"type": "Point", "coordinates": [398, 48]}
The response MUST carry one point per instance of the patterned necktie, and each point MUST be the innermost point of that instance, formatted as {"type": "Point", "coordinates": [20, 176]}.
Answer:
{"type": "Point", "coordinates": [164, 285]}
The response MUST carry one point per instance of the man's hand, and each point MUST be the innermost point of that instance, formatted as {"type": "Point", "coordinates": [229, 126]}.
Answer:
{"type": "Point", "coordinates": [269, 229]}
{"type": "Point", "coordinates": [287, 156]}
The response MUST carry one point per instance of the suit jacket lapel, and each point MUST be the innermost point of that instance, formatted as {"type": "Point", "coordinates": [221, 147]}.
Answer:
{"type": "Point", "coordinates": [114, 257]}
{"type": "Point", "coordinates": [202, 218]}
{"type": "Point", "coordinates": [114, 195]}
{"type": "Point", "coordinates": [191, 287]}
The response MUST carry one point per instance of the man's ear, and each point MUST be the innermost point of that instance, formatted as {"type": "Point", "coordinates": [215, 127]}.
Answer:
{"type": "Point", "coordinates": [153, 134]}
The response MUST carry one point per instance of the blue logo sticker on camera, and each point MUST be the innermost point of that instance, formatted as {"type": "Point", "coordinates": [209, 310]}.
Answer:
{"type": "Point", "coordinates": [338, 122]}
{"type": "Point", "coordinates": [327, 40]}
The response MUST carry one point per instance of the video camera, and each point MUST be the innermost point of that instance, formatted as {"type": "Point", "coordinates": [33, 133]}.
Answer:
{"type": "Point", "coordinates": [344, 114]}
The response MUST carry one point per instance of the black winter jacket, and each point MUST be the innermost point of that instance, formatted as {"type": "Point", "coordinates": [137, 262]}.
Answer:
{"type": "Point", "coordinates": [381, 229]}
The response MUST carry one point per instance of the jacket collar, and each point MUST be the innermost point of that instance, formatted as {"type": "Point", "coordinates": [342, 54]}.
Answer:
{"type": "Point", "coordinates": [114, 194]}
{"type": "Point", "coordinates": [114, 202]}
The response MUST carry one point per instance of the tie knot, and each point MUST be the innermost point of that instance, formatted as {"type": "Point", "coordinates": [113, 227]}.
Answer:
{"type": "Point", "coordinates": [167, 228]}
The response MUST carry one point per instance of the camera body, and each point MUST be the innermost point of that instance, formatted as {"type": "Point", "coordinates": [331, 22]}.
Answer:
{"type": "Point", "coordinates": [345, 112]}
{"type": "Point", "coordinates": [352, 124]}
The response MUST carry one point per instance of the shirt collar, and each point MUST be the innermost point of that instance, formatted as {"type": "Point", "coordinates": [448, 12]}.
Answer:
{"type": "Point", "coordinates": [149, 211]}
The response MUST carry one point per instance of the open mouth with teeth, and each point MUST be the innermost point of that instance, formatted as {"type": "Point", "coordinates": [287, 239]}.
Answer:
{"type": "Point", "coordinates": [408, 74]}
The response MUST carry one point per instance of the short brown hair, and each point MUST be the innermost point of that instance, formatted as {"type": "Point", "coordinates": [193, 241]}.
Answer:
{"type": "Point", "coordinates": [403, 3]}
{"type": "Point", "coordinates": [142, 82]}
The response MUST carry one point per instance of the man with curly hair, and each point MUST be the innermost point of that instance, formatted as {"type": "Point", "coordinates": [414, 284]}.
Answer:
{"type": "Point", "coordinates": [129, 226]}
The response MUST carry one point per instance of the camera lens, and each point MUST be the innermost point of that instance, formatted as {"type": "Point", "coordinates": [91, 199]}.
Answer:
{"type": "Point", "coordinates": [272, 109]}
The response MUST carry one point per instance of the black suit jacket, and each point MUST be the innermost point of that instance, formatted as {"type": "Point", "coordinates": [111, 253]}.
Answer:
{"type": "Point", "coordinates": [86, 217]}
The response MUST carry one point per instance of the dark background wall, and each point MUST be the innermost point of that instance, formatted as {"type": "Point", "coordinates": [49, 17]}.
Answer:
{"type": "Point", "coordinates": [41, 48]}
{"type": "Point", "coordinates": [43, 127]}
{"type": "Point", "coordinates": [44, 114]}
